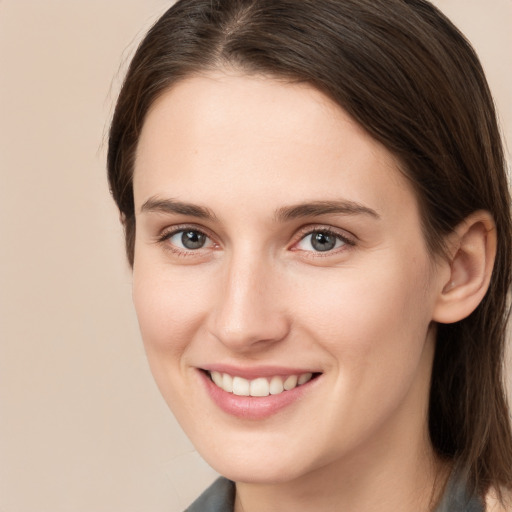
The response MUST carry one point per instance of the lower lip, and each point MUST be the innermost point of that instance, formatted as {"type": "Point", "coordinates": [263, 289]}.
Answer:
{"type": "Point", "coordinates": [252, 407]}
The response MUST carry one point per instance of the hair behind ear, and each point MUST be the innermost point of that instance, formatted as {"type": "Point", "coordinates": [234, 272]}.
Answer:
{"type": "Point", "coordinates": [468, 417]}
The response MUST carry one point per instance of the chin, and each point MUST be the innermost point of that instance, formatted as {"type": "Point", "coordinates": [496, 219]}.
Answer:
{"type": "Point", "coordinates": [263, 473]}
{"type": "Point", "coordinates": [257, 465]}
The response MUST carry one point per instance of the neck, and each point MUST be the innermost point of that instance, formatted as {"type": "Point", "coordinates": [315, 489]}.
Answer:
{"type": "Point", "coordinates": [357, 485]}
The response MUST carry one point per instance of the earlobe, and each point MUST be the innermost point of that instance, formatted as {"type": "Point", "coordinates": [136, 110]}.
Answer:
{"type": "Point", "coordinates": [472, 249]}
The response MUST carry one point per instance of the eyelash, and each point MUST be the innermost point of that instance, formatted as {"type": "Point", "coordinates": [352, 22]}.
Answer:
{"type": "Point", "coordinates": [310, 230]}
{"type": "Point", "coordinates": [347, 241]}
{"type": "Point", "coordinates": [163, 239]}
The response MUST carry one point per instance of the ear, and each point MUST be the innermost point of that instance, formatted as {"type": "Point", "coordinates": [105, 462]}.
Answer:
{"type": "Point", "coordinates": [472, 250]}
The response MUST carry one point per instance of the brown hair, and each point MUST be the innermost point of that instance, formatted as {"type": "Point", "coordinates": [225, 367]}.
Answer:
{"type": "Point", "coordinates": [410, 78]}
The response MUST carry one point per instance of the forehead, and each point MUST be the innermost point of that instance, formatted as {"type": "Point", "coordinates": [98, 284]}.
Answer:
{"type": "Point", "coordinates": [210, 106]}
{"type": "Point", "coordinates": [253, 135]}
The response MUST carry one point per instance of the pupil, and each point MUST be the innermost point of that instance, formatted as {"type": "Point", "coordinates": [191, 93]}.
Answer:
{"type": "Point", "coordinates": [192, 239]}
{"type": "Point", "coordinates": [323, 241]}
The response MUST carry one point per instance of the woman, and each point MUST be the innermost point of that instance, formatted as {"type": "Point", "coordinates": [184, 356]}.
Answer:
{"type": "Point", "coordinates": [317, 217]}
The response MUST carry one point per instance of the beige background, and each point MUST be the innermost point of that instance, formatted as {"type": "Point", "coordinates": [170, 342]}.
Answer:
{"type": "Point", "coordinates": [82, 426]}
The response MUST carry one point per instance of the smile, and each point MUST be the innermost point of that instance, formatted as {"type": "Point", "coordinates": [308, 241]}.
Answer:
{"type": "Point", "coordinates": [259, 387]}
{"type": "Point", "coordinates": [261, 393]}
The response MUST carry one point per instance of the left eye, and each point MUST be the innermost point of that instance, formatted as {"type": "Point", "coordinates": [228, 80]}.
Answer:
{"type": "Point", "coordinates": [320, 241]}
{"type": "Point", "coordinates": [189, 239]}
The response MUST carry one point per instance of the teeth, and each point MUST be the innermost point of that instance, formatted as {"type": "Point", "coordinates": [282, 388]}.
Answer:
{"type": "Point", "coordinates": [290, 382]}
{"type": "Point", "coordinates": [241, 387]}
{"type": "Point", "coordinates": [217, 378]}
{"type": "Point", "coordinates": [260, 386]}
{"type": "Point", "coordinates": [276, 385]}
{"type": "Point", "coordinates": [305, 377]}
{"type": "Point", "coordinates": [227, 383]}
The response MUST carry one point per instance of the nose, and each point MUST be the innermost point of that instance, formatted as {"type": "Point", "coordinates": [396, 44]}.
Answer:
{"type": "Point", "coordinates": [249, 314]}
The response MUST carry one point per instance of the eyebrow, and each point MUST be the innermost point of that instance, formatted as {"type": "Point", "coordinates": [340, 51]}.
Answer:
{"type": "Point", "coordinates": [317, 208]}
{"type": "Point", "coordinates": [284, 214]}
{"type": "Point", "coordinates": [156, 205]}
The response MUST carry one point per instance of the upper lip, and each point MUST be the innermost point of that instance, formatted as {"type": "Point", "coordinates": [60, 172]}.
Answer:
{"type": "Point", "coordinates": [254, 372]}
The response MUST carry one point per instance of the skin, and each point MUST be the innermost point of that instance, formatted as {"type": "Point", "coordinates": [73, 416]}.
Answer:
{"type": "Point", "coordinates": [257, 293]}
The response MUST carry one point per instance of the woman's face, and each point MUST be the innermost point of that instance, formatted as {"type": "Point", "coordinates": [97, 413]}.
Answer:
{"type": "Point", "coordinates": [278, 246]}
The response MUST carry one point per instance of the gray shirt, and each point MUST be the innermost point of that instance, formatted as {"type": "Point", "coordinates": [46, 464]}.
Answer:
{"type": "Point", "coordinates": [220, 497]}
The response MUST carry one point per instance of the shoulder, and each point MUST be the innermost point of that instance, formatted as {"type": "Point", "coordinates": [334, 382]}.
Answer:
{"type": "Point", "coordinates": [219, 497]}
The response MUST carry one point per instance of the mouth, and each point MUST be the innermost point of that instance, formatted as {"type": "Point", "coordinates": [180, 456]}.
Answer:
{"type": "Point", "coordinates": [257, 393]}
{"type": "Point", "coordinates": [260, 386]}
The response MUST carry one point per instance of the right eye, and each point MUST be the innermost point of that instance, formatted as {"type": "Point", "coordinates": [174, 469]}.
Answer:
{"type": "Point", "coordinates": [186, 240]}
{"type": "Point", "coordinates": [189, 239]}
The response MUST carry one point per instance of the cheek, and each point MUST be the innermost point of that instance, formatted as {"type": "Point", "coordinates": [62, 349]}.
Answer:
{"type": "Point", "coordinates": [373, 318]}
{"type": "Point", "coordinates": [170, 308]}
{"type": "Point", "coordinates": [374, 328]}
